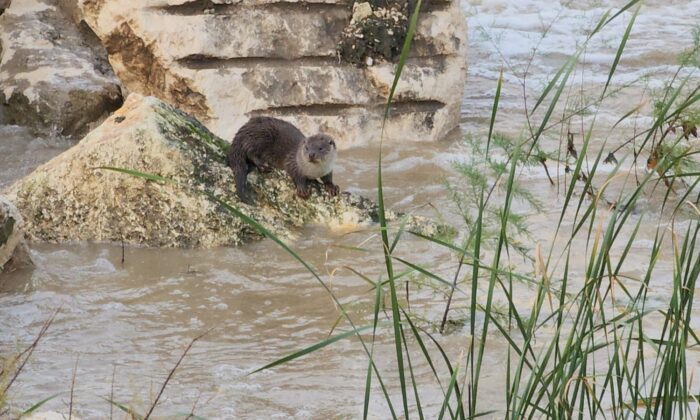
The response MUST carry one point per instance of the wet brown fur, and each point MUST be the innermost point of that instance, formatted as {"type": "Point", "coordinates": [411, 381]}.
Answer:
{"type": "Point", "coordinates": [267, 143]}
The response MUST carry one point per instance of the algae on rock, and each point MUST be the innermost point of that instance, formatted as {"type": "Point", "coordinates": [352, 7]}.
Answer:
{"type": "Point", "coordinates": [73, 198]}
{"type": "Point", "coordinates": [374, 33]}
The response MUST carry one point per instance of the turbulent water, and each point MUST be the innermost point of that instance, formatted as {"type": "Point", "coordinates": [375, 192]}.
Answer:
{"type": "Point", "coordinates": [125, 324]}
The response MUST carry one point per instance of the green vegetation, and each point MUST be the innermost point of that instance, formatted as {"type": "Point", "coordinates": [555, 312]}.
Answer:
{"type": "Point", "coordinates": [12, 367]}
{"type": "Point", "coordinates": [583, 346]}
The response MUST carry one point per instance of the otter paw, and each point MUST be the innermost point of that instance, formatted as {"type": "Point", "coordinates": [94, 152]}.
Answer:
{"type": "Point", "coordinates": [331, 189]}
{"type": "Point", "coordinates": [246, 198]}
{"type": "Point", "coordinates": [304, 192]}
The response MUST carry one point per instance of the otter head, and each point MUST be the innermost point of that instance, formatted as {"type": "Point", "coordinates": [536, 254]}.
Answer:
{"type": "Point", "coordinates": [316, 156]}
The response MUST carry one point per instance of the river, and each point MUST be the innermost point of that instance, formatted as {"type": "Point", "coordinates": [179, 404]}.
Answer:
{"type": "Point", "coordinates": [125, 324]}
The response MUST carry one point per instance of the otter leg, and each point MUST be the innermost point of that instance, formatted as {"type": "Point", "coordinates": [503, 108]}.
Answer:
{"type": "Point", "coordinates": [238, 163]}
{"type": "Point", "coordinates": [329, 186]}
{"type": "Point", "coordinates": [263, 167]}
{"type": "Point", "coordinates": [302, 184]}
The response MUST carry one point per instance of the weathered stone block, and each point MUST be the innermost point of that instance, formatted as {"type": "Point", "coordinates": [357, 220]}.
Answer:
{"type": "Point", "coordinates": [51, 79]}
{"type": "Point", "coordinates": [225, 61]}
{"type": "Point", "coordinates": [13, 250]}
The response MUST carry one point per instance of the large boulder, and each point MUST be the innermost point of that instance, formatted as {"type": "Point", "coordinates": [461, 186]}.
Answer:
{"type": "Point", "coordinates": [224, 61]}
{"type": "Point", "coordinates": [13, 249]}
{"type": "Point", "coordinates": [72, 198]}
{"type": "Point", "coordinates": [52, 78]}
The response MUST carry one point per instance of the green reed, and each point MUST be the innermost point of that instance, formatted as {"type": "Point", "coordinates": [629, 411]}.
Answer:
{"type": "Point", "coordinates": [583, 348]}
{"type": "Point", "coordinates": [597, 361]}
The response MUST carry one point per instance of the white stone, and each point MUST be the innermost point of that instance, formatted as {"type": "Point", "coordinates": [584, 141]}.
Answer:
{"type": "Point", "coordinates": [256, 57]}
{"type": "Point", "coordinates": [361, 11]}
{"type": "Point", "coordinates": [13, 249]}
{"type": "Point", "coordinates": [50, 79]}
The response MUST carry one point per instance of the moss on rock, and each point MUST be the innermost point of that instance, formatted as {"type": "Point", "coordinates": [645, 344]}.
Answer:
{"type": "Point", "coordinates": [375, 32]}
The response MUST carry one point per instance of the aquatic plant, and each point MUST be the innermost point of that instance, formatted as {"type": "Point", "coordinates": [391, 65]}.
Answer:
{"type": "Point", "coordinates": [582, 348]}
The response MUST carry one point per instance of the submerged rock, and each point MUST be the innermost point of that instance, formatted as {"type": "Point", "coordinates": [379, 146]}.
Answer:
{"type": "Point", "coordinates": [13, 249]}
{"type": "Point", "coordinates": [51, 78]}
{"type": "Point", "coordinates": [223, 61]}
{"type": "Point", "coordinates": [71, 198]}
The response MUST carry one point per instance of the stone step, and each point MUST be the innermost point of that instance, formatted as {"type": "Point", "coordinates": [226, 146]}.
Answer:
{"type": "Point", "coordinates": [224, 61]}
{"type": "Point", "coordinates": [300, 30]}
{"type": "Point", "coordinates": [358, 125]}
{"type": "Point", "coordinates": [271, 83]}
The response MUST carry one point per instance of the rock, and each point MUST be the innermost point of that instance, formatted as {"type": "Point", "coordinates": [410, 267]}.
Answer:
{"type": "Point", "coordinates": [379, 35]}
{"type": "Point", "coordinates": [361, 11]}
{"type": "Point", "coordinates": [13, 249]}
{"type": "Point", "coordinates": [224, 61]}
{"type": "Point", "coordinates": [51, 78]}
{"type": "Point", "coordinates": [71, 199]}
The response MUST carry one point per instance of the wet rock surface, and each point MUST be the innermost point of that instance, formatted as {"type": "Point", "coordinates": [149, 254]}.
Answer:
{"type": "Point", "coordinates": [52, 76]}
{"type": "Point", "coordinates": [224, 61]}
{"type": "Point", "coordinates": [73, 198]}
{"type": "Point", "coordinates": [13, 249]}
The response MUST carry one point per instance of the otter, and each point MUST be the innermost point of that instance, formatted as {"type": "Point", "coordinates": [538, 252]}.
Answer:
{"type": "Point", "coordinates": [267, 143]}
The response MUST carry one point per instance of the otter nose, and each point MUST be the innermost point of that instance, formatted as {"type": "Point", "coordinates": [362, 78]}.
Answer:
{"type": "Point", "coordinates": [312, 155]}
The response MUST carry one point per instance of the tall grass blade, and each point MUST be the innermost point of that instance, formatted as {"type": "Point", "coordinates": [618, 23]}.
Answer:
{"type": "Point", "coordinates": [494, 111]}
{"type": "Point", "coordinates": [38, 405]}
{"type": "Point", "coordinates": [381, 210]}
{"type": "Point", "coordinates": [128, 410]}
{"type": "Point", "coordinates": [406, 47]}
{"type": "Point", "coordinates": [450, 387]}
{"type": "Point", "coordinates": [368, 381]}
{"type": "Point", "coordinates": [303, 352]}
{"type": "Point", "coordinates": [620, 49]}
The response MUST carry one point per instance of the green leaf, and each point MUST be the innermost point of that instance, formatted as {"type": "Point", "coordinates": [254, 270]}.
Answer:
{"type": "Point", "coordinates": [128, 410]}
{"type": "Point", "coordinates": [303, 352]}
{"type": "Point", "coordinates": [39, 404]}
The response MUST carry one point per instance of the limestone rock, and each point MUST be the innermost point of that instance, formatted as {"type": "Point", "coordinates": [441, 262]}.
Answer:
{"type": "Point", "coordinates": [361, 11]}
{"type": "Point", "coordinates": [71, 199]}
{"type": "Point", "coordinates": [13, 249]}
{"type": "Point", "coordinates": [225, 61]}
{"type": "Point", "coordinates": [51, 78]}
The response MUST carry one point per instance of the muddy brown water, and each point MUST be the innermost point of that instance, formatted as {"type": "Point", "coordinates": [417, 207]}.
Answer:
{"type": "Point", "coordinates": [127, 323]}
